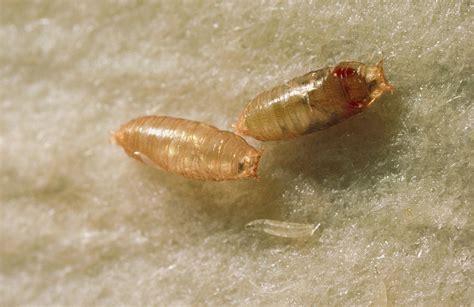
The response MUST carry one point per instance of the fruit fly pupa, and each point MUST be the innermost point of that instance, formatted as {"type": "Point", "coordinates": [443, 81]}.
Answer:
{"type": "Point", "coordinates": [189, 148]}
{"type": "Point", "coordinates": [314, 101]}
{"type": "Point", "coordinates": [283, 229]}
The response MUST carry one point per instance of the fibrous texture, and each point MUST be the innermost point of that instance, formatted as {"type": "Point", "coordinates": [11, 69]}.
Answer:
{"type": "Point", "coordinates": [83, 225]}
{"type": "Point", "coordinates": [188, 148]}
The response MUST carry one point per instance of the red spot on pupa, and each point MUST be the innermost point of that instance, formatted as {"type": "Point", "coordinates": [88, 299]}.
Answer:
{"type": "Point", "coordinates": [356, 104]}
{"type": "Point", "coordinates": [343, 72]}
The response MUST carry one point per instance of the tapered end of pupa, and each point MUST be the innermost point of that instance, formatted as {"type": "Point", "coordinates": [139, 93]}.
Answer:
{"type": "Point", "coordinates": [249, 165]}
{"type": "Point", "coordinates": [241, 126]}
{"type": "Point", "coordinates": [114, 139]}
{"type": "Point", "coordinates": [375, 76]}
{"type": "Point", "coordinates": [118, 138]}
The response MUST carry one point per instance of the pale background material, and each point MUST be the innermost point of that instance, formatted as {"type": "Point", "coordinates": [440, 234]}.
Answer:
{"type": "Point", "coordinates": [83, 224]}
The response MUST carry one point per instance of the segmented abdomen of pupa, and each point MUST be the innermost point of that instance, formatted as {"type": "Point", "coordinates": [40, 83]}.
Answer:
{"type": "Point", "coordinates": [312, 102]}
{"type": "Point", "coordinates": [189, 148]}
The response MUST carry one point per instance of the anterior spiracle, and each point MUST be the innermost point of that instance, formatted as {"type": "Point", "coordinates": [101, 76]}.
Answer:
{"type": "Point", "coordinates": [314, 101]}
{"type": "Point", "coordinates": [188, 148]}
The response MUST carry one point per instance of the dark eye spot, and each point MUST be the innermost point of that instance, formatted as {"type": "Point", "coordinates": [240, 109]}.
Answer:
{"type": "Point", "coordinates": [241, 167]}
{"type": "Point", "coordinates": [371, 85]}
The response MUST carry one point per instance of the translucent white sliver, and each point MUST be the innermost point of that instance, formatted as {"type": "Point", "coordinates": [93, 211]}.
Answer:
{"type": "Point", "coordinates": [146, 160]}
{"type": "Point", "coordinates": [283, 229]}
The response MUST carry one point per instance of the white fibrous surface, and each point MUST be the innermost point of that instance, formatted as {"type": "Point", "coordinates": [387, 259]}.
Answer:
{"type": "Point", "coordinates": [81, 224]}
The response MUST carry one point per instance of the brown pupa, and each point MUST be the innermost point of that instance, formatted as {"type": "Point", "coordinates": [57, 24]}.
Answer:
{"type": "Point", "coordinates": [314, 101]}
{"type": "Point", "coordinates": [188, 148]}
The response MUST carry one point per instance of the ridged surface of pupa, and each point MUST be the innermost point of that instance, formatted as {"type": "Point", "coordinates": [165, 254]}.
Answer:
{"type": "Point", "coordinates": [188, 148]}
{"type": "Point", "coordinates": [314, 101]}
